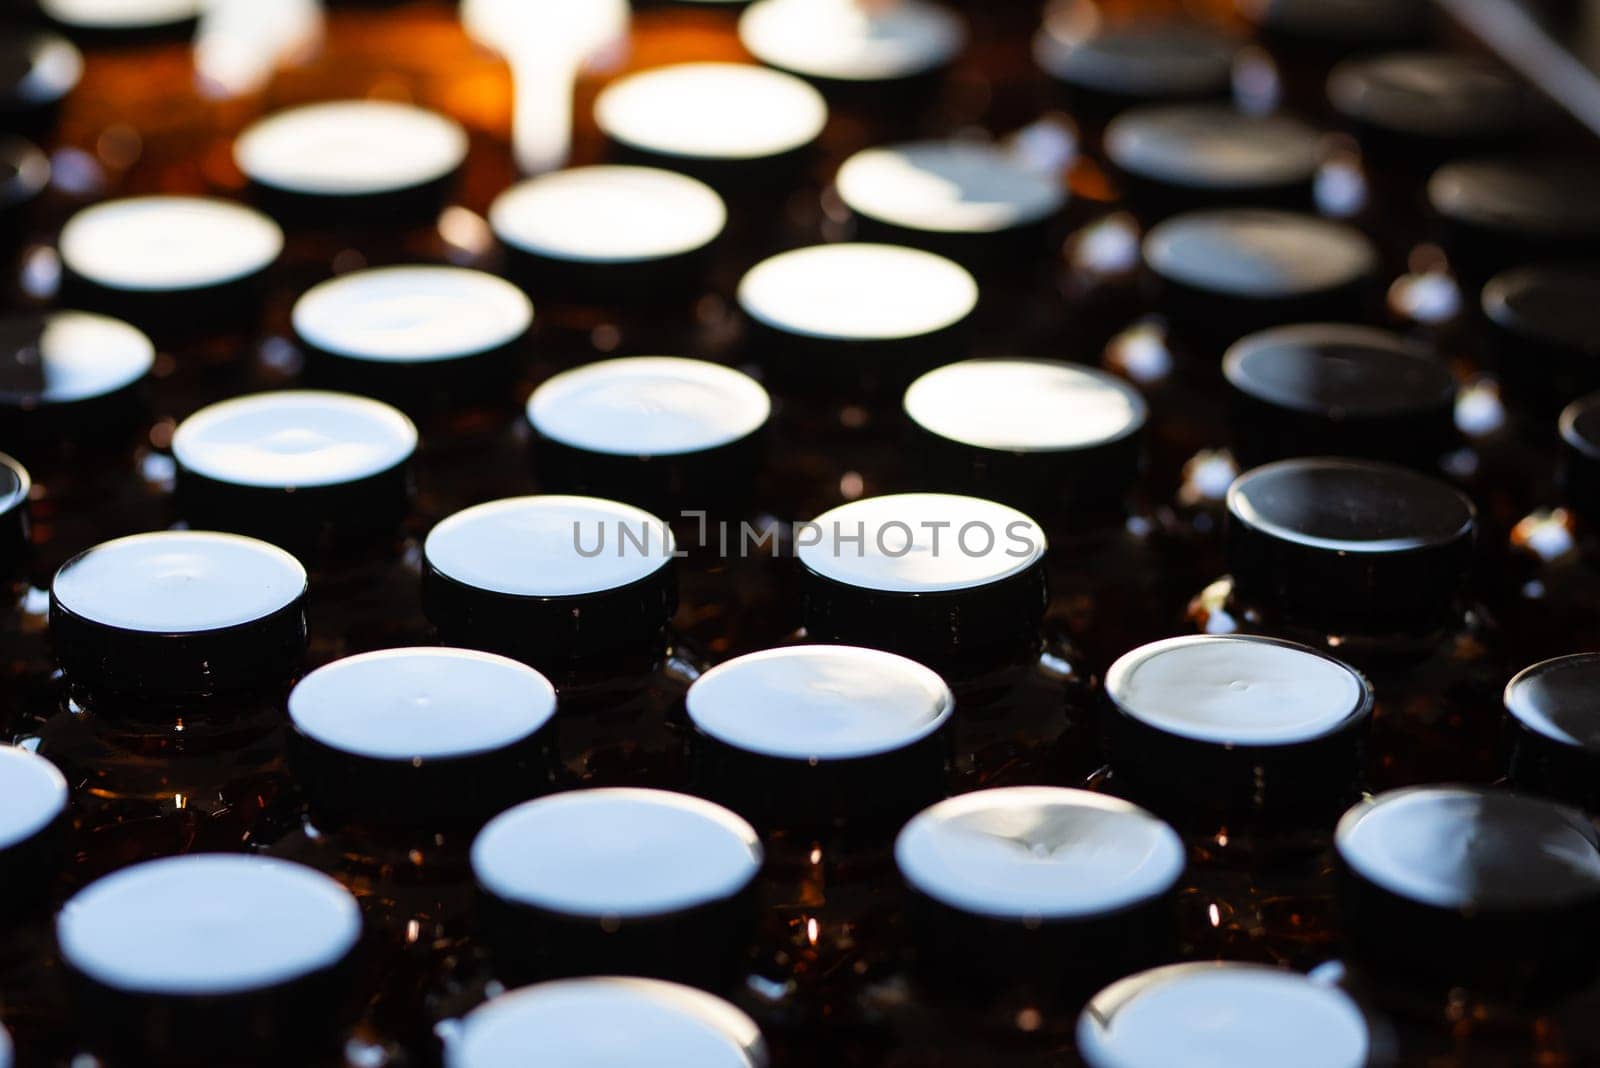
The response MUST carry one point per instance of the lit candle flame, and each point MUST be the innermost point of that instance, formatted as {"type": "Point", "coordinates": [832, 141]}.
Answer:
{"type": "Point", "coordinates": [547, 43]}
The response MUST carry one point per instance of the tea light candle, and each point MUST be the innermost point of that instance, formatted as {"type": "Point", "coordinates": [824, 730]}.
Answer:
{"type": "Point", "coordinates": [37, 71]}
{"type": "Point", "coordinates": [370, 159]}
{"type": "Point", "coordinates": [608, 235]}
{"type": "Point", "coordinates": [121, 15]}
{"type": "Point", "coordinates": [851, 41]}
{"type": "Point", "coordinates": [970, 201]}
{"type": "Point", "coordinates": [723, 122]}
{"type": "Point", "coordinates": [169, 265]}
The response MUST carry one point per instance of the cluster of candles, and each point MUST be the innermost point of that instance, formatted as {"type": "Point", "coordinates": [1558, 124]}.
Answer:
{"type": "Point", "coordinates": [716, 563]}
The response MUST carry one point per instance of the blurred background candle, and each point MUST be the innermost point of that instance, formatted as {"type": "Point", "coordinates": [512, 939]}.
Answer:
{"type": "Point", "coordinates": [547, 43]}
{"type": "Point", "coordinates": [240, 43]}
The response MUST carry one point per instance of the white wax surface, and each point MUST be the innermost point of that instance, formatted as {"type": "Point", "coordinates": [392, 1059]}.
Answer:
{"type": "Point", "coordinates": [616, 853]}
{"type": "Point", "coordinates": [1213, 147]}
{"type": "Point", "coordinates": [608, 1023]}
{"type": "Point", "coordinates": [1260, 254]}
{"type": "Point", "coordinates": [921, 543]}
{"type": "Point", "coordinates": [549, 546]}
{"type": "Point", "coordinates": [649, 406]}
{"type": "Point", "coordinates": [820, 702]}
{"type": "Point", "coordinates": [85, 355]}
{"type": "Point", "coordinates": [350, 148]}
{"type": "Point", "coordinates": [1025, 405]}
{"type": "Point", "coordinates": [1556, 699]}
{"type": "Point", "coordinates": [1222, 1016]}
{"type": "Point", "coordinates": [1038, 852]}
{"type": "Point", "coordinates": [32, 793]}
{"type": "Point", "coordinates": [120, 14]}
{"type": "Point", "coordinates": [294, 438]}
{"type": "Point", "coordinates": [843, 40]}
{"type": "Point", "coordinates": [727, 111]}
{"type": "Point", "coordinates": [208, 924]}
{"type": "Point", "coordinates": [400, 704]}
{"type": "Point", "coordinates": [1458, 847]}
{"type": "Point", "coordinates": [858, 292]}
{"type": "Point", "coordinates": [1154, 57]}
{"type": "Point", "coordinates": [608, 215]}
{"type": "Point", "coordinates": [179, 582]}
{"type": "Point", "coordinates": [947, 187]}
{"type": "Point", "coordinates": [412, 314]}
{"type": "Point", "coordinates": [1234, 690]}
{"type": "Point", "coordinates": [155, 244]}
{"type": "Point", "coordinates": [57, 67]}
